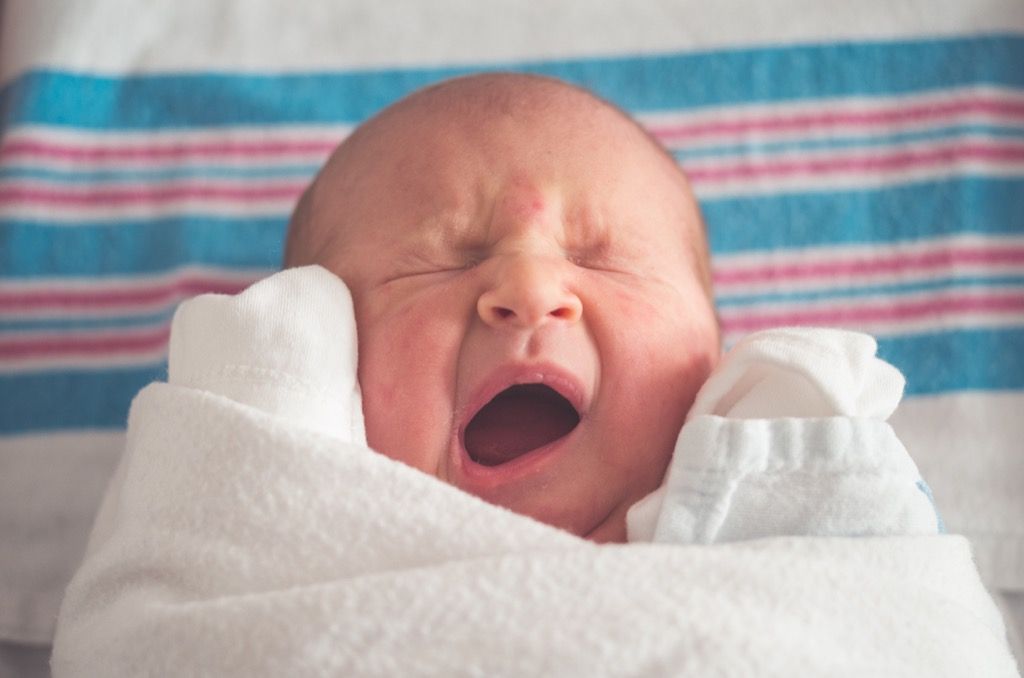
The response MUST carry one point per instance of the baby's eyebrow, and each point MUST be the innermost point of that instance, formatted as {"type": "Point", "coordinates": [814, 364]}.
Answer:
{"type": "Point", "coordinates": [447, 232]}
{"type": "Point", "coordinates": [588, 234]}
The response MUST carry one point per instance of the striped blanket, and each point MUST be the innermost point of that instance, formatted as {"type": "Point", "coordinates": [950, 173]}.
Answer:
{"type": "Point", "coordinates": [872, 180]}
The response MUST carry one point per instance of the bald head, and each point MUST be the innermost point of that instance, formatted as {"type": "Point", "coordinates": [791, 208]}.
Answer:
{"type": "Point", "coordinates": [474, 97]}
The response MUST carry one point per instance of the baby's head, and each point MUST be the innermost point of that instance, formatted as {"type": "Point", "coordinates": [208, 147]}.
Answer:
{"type": "Point", "coordinates": [531, 285]}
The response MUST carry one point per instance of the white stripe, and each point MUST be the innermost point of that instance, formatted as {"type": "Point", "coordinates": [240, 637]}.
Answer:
{"type": "Point", "coordinates": [808, 182]}
{"type": "Point", "coordinates": [743, 113]}
{"type": "Point", "coordinates": [184, 143]}
{"type": "Point", "coordinates": [942, 318]}
{"type": "Point", "coordinates": [925, 325]}
{"type": "Point", "coordinates": [267, 35]}
{"type": "Point", "coordinates": [71, 217]}
{"type": "Point", "coordinates": [133, 282]}
{"type": "Point", "coordinates": [840, 255]}
{"type": "Point", "coordinates": [93, 361]}
{"type": "Point", "coordinates": [169, 138]}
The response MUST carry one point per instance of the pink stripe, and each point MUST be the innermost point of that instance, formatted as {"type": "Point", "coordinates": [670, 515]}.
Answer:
{"type": "Point", "coordinates": [883, 161]}
{"type": "Point", "coordinates": [65, 299]}
{"type": "Point", "coordinates": [98, 345]}
{"type": "Point", "coordinates": [860, 315]}
{"type": "Point", "coordinates": [144, 194]}
{"type": "Point", "coordinates": [779, 122]}
{"type": "Point", "coordinates": [179, 151]}
{"type": "Point", "coordinates": [923, 112]}
{"type": "Point", "coordinates": [877, 264]}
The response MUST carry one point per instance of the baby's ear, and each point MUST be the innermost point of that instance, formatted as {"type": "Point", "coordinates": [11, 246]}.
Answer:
{"type": "Point", "coordinates": [286, 345]}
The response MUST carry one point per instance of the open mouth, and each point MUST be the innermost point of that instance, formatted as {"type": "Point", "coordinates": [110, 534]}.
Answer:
{"type": "Point", "coordinates": [520, 419]}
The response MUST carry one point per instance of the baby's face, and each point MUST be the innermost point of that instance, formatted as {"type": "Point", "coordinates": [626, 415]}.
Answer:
{"type": "Point", "coordinates": [532, 324]}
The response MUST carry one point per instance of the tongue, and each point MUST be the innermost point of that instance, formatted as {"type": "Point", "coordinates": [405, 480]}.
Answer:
{"type": "Point", "coordinates": [517, 420]}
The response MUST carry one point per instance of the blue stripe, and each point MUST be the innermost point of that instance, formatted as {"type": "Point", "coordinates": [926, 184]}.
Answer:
{"type": "Point", "coordinates": [910, 212]}
{"type": "Point", "coordinates": [140, 247]}
{"type": "Point", "coordinates": [913, 212]}
{"type": "Point", "coordinates": [638, 83]}
{"type": "Point", "coordinates": [940, 525]}
{"type": "Point", "coordinates": [887, 142]}
{"type": "Point", "coordinates": [303, 172]}
{"type": "Point", "coordinates": [74, 324]}
{"type": "Point", "coordinates": [933, 363]}
{"type": "Point", "coordinates": [962, 360]}
{"type": "Point", "coordinates": [726, 300]}
{"type": "Point", "coordinates": [51, 401]}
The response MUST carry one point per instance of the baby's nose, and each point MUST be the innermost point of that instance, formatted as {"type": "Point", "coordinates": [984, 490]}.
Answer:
{"type": "Point", "coordinates": [528, 292]}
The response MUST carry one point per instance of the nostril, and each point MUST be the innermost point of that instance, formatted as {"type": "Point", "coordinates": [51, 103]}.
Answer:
{"type": "Point", "coordinates": [504, 313]}
{"type": "Point", "coordinates": [563, 313]}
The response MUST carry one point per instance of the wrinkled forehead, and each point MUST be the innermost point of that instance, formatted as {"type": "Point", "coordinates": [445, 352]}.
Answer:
{"type": "Point", "coordinates": [444, 150]}
{"type": "Point", "coordinates": [450, 152]}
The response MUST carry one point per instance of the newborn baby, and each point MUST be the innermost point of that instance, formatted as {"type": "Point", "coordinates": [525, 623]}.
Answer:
{"type": "Point", "coordinates": [532, 293]}
{"type": "Point", "coordinates": [532, 296]}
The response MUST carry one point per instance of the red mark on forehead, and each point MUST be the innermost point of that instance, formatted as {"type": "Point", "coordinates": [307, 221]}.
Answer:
{"type": "Point", "coordinates": [523, 199]}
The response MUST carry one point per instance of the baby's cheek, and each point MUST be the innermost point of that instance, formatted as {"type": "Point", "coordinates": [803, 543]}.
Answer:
{"type": "Point", "coordinates": [403, 363]}
{"type": "Point", "coordinates": [659, 349]}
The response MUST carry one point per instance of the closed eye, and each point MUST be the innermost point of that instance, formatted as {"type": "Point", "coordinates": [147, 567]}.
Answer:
{"type": "Point", "coordinates": [604, 265]}
{"type": "Point", "coordinates": [439, 271]}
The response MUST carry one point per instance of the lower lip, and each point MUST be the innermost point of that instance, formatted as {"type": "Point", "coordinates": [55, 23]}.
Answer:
{"type": "Point", "coordinates": [483, 477]}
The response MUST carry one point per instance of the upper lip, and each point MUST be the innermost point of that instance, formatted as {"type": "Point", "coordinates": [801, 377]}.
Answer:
{"type": "Point", "coordinates": [559, 379]}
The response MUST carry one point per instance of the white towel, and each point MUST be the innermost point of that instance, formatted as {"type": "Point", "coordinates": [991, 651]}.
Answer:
{"type": "Point", "coordinates": [239, 542]}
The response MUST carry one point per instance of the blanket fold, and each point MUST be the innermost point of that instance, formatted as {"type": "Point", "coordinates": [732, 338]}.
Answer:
{"type": "Point", "coordinates": [240, 545]}
{"type": "Point", "coordinates": [245, 535]}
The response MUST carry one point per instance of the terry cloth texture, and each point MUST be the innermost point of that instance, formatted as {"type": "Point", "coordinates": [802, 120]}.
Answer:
{"type": "Point", "coordinates": [236, 541]}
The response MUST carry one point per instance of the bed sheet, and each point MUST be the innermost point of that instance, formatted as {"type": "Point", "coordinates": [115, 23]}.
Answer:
{"type": "Point", "coordinates": [858, 166]}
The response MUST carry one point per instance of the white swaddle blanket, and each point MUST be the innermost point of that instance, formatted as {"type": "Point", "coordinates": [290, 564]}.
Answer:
{"type": "Point", "coordinates": [249, 531]}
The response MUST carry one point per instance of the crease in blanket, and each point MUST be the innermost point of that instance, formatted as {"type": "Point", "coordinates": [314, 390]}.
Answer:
{"type": "Point", "coordinates": [236, 540]}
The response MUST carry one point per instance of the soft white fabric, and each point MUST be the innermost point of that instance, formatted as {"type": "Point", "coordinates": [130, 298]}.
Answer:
{"type": "Point", "coordinates": [801, 372]}
{"type": "Point", "coordinates": [265, 35]}
{"type": "Point", "coordinates": [788, 437]}
{"type": "Point", "coordinates": [236, 541]}
{"type": "Point", "coordinates": [256, 349]}
{"type": "Point", "coordinates": [747, 479]}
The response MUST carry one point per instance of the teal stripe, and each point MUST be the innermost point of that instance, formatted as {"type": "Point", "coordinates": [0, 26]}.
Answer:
{"type": "Point", "coordinates": [887, 142]}
{"type": "Point", "coordinates": [302, 172]}
{"type": "Point", "coordinates": [52, 401]}
{"type": "Point", "coordinates": [961, 360]}
{"type": "Point", "coordinates": [726, 300]}
{"type": "Point", "coordinates": [74, 324]}
{"type": "Point", "coordinates": [940, 362]}
{"type": "Point", "coordinates": [647, 83]}
{"type": "Point", "coordinates": [901, 213]}
{"type": "Point", "coordinates": [129, 247]}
